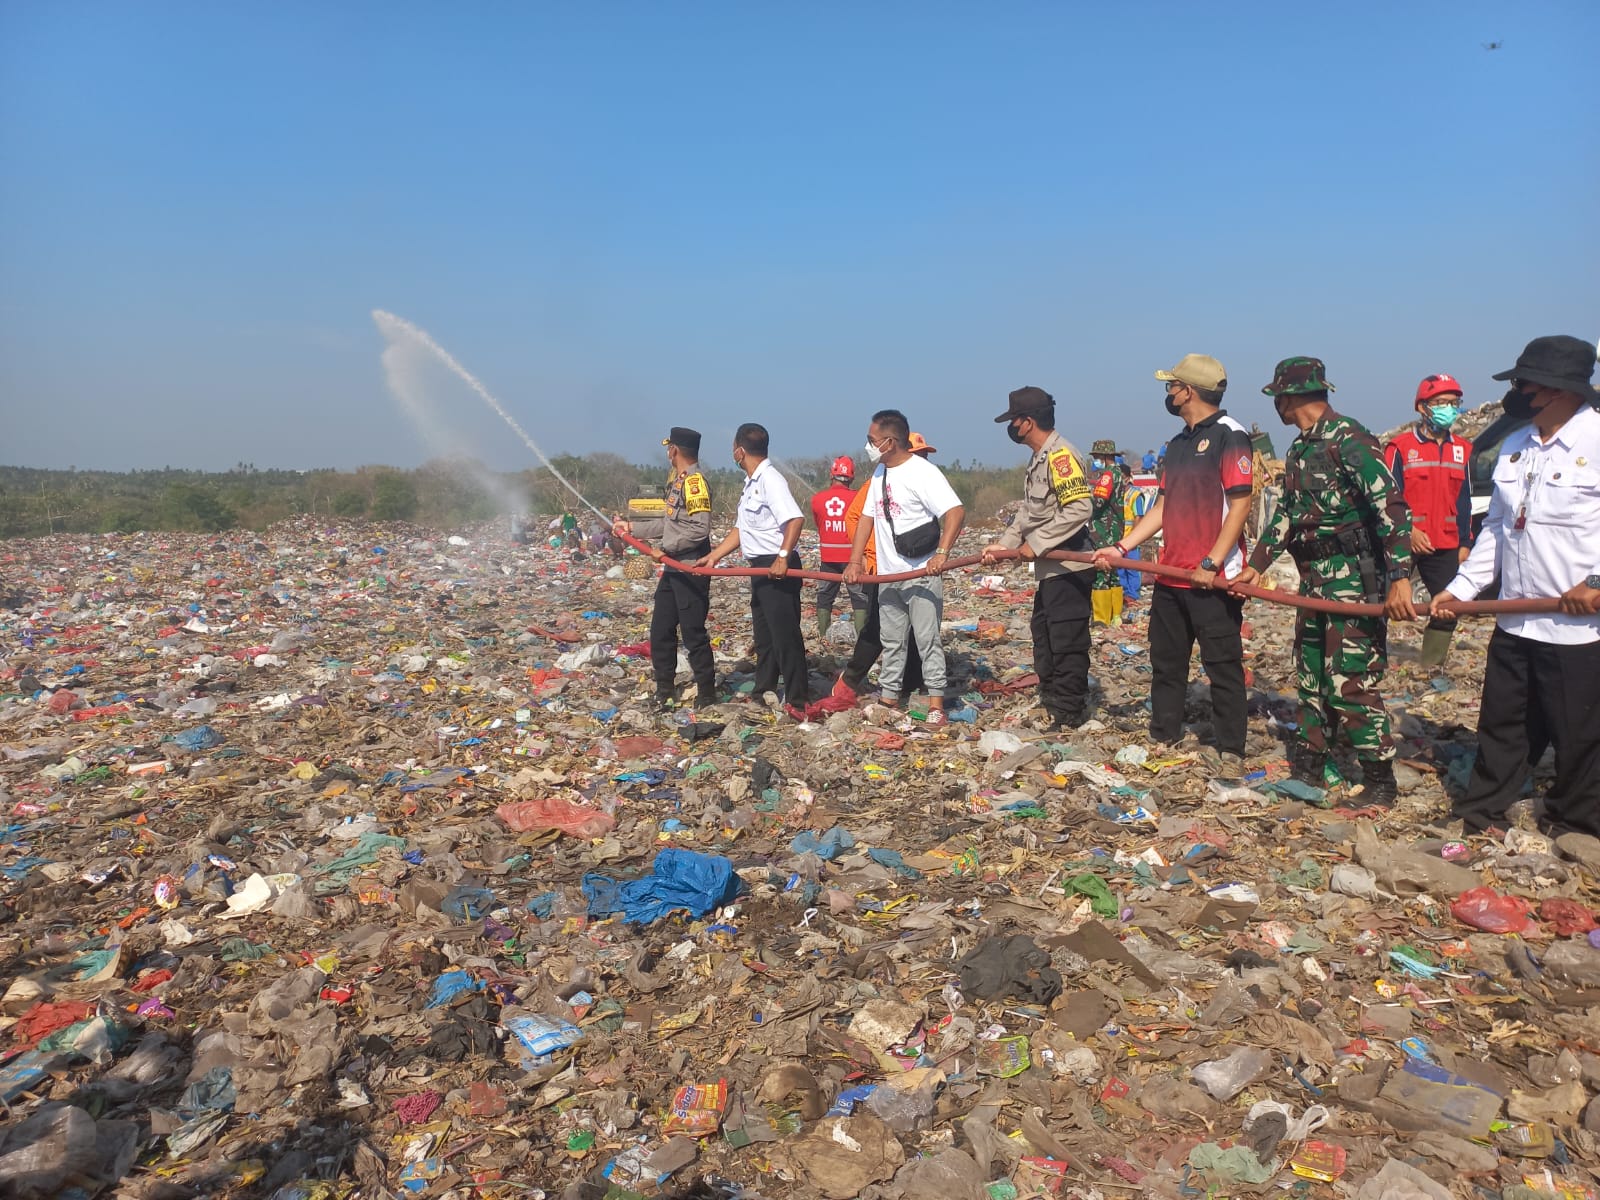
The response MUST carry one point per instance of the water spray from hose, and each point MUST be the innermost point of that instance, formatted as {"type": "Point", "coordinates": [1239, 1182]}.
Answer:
{"type": "Point", "coordinates": [394, 327]}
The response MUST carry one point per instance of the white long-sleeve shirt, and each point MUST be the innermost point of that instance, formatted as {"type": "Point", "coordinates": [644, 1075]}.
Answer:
{"type": "Point", "coordinates": [1542, 531]}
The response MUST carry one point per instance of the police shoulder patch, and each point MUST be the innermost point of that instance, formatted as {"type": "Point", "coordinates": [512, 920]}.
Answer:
{"type": "Point", "coordinates": [696, 495]}
{"type": "Point", "coordinates": [1067, 479]}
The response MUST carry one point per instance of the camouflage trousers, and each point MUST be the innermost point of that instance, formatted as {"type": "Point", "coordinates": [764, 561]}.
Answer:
{"type": "Point", "coordinates": [1339, 663]}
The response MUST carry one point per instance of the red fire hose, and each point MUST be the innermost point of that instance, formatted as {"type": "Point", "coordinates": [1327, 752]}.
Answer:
{"type": "Point", "coordinates": [1271, 595]}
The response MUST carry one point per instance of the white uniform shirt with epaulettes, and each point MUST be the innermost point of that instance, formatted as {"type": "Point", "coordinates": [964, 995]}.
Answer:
{"type": "Point", "coordinates": [1056, 505]}
{"type": "Point", "coordinates": [687, 523]}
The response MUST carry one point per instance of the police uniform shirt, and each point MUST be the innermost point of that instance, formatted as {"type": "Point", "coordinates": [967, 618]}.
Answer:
{"type": "Point", "coordinates": [686, 526]}
{"type": "Point", "coordinates": [765, 507]}
{"type": "Point", "coordinates": [1542, 531]}
{"type": "Point", "coordinates": [1056, 505]}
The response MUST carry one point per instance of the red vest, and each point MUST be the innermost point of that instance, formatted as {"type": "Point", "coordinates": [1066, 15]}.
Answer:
{"type": "Point", "coordinates": [827, 509]}
{"type": "Point", "coordinates": [1432, 473]}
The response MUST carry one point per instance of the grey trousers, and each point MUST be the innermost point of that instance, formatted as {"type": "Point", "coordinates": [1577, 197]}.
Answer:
{"type": "Point", "coordinates": [911, 606]}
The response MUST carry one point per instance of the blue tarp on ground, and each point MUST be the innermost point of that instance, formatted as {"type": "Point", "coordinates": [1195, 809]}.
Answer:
{"type": "Point", "coordinates": [678, 879]}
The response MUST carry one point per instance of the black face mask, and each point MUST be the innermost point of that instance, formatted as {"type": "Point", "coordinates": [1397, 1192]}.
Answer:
{"type": "Point", "coordinates": [1014, 432]}
{"type": "Point", "coordinates": [1173, 406]}
{"type": "Point", "coordinates": [1518, 404]}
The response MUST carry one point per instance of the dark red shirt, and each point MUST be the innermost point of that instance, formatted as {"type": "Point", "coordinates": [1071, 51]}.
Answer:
{"type": "Point", "coordinates": [1433, 477]}
{"type": "Point", "coordinates": [1204, 466]}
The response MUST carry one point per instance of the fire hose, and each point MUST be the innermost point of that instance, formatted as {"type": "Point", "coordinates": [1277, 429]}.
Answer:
{"type": "Point", "coordinates": [1345, 608]}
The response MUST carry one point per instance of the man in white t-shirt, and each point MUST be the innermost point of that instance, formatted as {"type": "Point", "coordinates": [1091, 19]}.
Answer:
{"type": "Point", "coordinates": [914, 518]}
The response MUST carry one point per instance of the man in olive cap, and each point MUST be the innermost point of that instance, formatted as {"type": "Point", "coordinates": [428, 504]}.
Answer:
{"type": "Point", "coordinates": [682, 601]}
{"type": "Point", "coordinates": [1345, 523]}
{"type": "Point", "coordinates": [1541, 536]}
{"type": "Point", "coordinates": [1200, 513]}
{"type": "Point", "coordinates": [1110, 495]}
{"type": "Point", "coordinates": [1056, 507]}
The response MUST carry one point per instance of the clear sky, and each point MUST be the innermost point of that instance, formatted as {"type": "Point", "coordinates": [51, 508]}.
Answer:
{"type": "Point", "coordinates": [628, 216]}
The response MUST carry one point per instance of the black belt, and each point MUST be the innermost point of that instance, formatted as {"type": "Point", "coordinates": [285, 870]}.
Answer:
{"type": "Point", "coordinates": [766, 560]}
{"type": "Point", "coordinates": [1354, 540]}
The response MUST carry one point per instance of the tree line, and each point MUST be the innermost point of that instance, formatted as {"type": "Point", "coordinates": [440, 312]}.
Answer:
{"type": "Point", "coordinates": [441, 493]}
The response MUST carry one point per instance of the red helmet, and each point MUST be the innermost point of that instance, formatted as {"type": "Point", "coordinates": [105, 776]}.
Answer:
{"type": "Point", "coordinates": [844, 467]}
{"type": "Point", "coordinates": [1435, 386]}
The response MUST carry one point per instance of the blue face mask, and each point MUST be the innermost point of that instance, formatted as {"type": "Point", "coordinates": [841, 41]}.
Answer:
{"type": "Point", "coordinates": [1442, 416]}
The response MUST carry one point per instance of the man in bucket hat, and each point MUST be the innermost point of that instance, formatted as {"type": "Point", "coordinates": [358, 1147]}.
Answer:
{"type": "Point", "coordinates": [1343, 520]}
{"type": "Point", "coordinates": [1110, 495]}
{"type": "Point", "coordinates": [1056, 506]}
{"type": "Point", "coordinates": [1541, 536]}
{"type": "Point", "coordinates": [1200, 510]}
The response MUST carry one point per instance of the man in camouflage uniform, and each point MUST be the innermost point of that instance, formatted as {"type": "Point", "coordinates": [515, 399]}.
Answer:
{"type": "Point", "coordinates": [1110, 495]}
{"type": "Point", "coordinates": [682, 601]}
{"type": "Point", "coordinates": [1345, 523]}
{"type": "Point", "coordinates": [1056, 506]}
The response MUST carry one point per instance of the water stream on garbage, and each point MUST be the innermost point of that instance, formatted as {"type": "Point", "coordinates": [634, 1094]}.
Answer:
{"type": "Point", "coordinates": [402, 375]}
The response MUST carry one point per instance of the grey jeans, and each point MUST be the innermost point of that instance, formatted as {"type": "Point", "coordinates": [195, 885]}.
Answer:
{"type": "Point", "coordinates": [911, 606]}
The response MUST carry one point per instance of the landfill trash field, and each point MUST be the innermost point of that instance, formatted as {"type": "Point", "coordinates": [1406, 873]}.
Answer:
{"type": "Point", "coordinates": [347, 860]}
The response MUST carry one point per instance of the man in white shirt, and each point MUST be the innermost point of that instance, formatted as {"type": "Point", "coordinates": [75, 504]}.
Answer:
{"type": "Point", "coordinates": [914, 517]}
{"type": "Point", "coordinates": [768, 526]}
{"type": "Point", "coordinates": [1541, 684]}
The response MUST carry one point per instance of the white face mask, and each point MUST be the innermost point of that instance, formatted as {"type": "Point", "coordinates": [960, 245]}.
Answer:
{"type": "Point", "coordinates": [873, 453]}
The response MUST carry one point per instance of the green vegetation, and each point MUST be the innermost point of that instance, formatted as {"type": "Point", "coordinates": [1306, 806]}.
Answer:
{"type": "Point", "coordinates": [442, 493]}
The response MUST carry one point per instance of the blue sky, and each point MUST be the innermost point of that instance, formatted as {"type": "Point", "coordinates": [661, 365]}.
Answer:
{"type": "Point", "coordinates": [624, 217]}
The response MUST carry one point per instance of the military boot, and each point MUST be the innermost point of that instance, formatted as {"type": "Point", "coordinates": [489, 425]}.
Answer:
{"type": "Point", "coordinates": [1378, 785]}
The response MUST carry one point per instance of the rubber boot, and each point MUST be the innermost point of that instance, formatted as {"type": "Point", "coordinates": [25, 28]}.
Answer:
{"type": "Point", "coordinates": [1306, 764]}
{"type": "Point", "coordinates": [1435, 646]}
{"type": "Point", "coordinates": [1378, 784]}
{"type": "Point", "coordinates": [824, 619]}
{"type": "Point", "coordinates": [858, 618]}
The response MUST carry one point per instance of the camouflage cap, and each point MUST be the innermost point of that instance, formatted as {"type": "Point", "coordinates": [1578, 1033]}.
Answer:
{"type": "Point", "coordinates": [1298, 376]}
{"type": "Point", "coordinates": [1104, 446]}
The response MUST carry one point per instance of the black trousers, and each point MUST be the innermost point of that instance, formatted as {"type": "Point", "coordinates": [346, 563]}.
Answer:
{"type": "Point", "coordinates": [869, 648]}
{"type": "Point", "coordinates": [780, 645]}
{"type": "Point", "coordinates": [1180, 617]}
{"type": "Point", "coordinates": [1437, 570]}
{"type": "Point", "coordinates": [681, 602]}
{"type": "Point", "coordinates": [1535, 694]}
{"type": "Point", "coordinates": [1060, 628]}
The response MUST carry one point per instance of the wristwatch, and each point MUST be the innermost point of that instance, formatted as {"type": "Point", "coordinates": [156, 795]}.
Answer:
{"type": "Point", "coordinates": [1396, 574]}
{"type": "Point", "coordinates": [1208, 564]}
{"type": "Point", "coordinates": [1593, 581]}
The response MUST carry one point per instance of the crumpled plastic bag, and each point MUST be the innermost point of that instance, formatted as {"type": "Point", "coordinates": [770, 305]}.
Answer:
{"type": "Point", "coordinates": [678, 879]}
{"type": "Point", "coordinates": [827, 847]}
{"type": "Point", "coordinates": [997, 968]}
{"type": "Point", "coordinates": [38, 1155]}
{"type": "Point", "coordinates": [551, 812]}
{"type": "Point", "coordinates": [1235, 1164]}
{"type": "Point", "coordinates": [1494, 912]}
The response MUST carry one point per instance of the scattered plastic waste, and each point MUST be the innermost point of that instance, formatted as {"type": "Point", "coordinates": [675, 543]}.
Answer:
{"type": "Point", "coordinates": [383, 860]}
